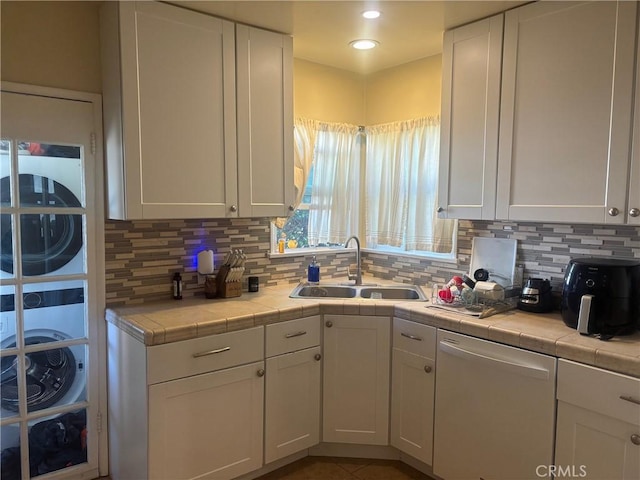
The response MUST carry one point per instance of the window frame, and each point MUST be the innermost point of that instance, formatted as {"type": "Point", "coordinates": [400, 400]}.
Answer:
{"type": "Point", "coordinates": [383, 249]}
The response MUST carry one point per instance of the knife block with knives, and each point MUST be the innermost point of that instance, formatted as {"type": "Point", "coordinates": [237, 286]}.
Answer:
{"type": "Point", "coordinates": [229, 277]}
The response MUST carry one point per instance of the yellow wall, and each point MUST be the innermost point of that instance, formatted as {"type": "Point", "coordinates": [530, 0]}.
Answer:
{"type": "Point", "coordinates": [404, 92]}
{"type": "Point", "coordinates": [328, 94]}
{"type": "Point", "coordinates": [52, 44]}
{"type": "Point", "coordinates": [57, 44]}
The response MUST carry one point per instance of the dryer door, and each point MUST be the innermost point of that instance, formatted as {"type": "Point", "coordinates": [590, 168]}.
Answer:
{"type": "Point", "coordinates": [49, 241]}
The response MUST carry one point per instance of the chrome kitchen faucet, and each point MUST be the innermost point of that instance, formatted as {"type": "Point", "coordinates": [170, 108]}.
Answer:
{"type": "Point", "coordinates": [358, 276]}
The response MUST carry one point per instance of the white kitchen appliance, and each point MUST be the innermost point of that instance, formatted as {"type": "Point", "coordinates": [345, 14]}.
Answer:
{"type": "Point", "coordinates": [483, 389]}
{"type": "Point", "coordinates": [51, 244]}
{"type": "Point", "coordinates": [50, 203]}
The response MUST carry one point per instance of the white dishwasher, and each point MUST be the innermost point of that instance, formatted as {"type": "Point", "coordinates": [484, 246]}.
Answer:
{"type": "Point", "coordinates": [495, 410]}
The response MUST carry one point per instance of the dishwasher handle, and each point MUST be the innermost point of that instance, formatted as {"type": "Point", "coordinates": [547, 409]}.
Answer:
{"type": "Point", "coordinates": [506, 365]}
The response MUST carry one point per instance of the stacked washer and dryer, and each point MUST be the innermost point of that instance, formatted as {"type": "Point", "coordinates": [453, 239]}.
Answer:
{"type": "Point", "coordinates": [52, 245]}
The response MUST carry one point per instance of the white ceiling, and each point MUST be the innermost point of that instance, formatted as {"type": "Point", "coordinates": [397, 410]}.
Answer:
{"type": "Point", "coordinates": [322, 30]}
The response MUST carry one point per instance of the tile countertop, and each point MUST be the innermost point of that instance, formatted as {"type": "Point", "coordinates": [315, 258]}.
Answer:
{"type": "Point", "coordinates": [171, 321]}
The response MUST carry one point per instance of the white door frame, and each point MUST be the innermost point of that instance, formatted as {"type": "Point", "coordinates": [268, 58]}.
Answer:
{"type": "Point", "coordinates": [98, 188]}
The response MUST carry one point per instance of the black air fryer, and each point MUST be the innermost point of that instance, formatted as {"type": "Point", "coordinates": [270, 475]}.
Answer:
{"type": "Point", "coordinates": [602, 296]}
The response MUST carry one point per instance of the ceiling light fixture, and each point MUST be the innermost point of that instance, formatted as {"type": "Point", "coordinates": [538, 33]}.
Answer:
{"type": "Point", "coordinates": [371, 14]}
{"type": "Point", "coordinates": [364, 44]}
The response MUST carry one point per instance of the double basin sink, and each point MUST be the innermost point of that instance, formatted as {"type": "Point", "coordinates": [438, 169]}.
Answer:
{"type": "Point", "coordinates": [378, 292]}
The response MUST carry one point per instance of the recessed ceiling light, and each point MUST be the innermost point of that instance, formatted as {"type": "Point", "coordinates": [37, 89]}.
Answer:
{"type": "Point", "coordinates": [371, 14]}
{"type": "Point", "coordinates": [364, 44]}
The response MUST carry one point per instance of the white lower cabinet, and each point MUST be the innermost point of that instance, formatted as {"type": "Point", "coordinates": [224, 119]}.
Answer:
{"type": "Point", "coordinates": [598, 429]}
{"type": "Point", "coordinates": [412, 389]}
{"type": "Point", "coordinates": [207, 426]}
{"type": "Point", "coordinates": [356, 379]}
{"type": "Point", "coordinates": [188, 409]}
{"type": "Point", "coordinates": [292, 387]}
{"type": "Point", "coordinates": [211, 407]}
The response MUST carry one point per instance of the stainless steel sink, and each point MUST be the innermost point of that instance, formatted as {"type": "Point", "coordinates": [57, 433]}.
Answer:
{"type": "Point", "coordinates": [393, 293]}
{"type": "Point", "coordinates": [390, 292]}
{"type": "Point", "coordinates": [322, 291]}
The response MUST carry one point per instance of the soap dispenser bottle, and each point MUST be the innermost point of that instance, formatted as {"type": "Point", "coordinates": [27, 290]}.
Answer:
{"type": "Point", "coordinates": [313, 272]}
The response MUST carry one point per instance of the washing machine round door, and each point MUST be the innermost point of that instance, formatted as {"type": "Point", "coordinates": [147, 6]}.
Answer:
{"type": "Point", "coordinates": [49, 241]}
{"type": "Point", "coordinates": [50, 374]}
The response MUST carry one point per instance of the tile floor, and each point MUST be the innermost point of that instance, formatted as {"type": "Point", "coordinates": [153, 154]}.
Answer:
{"type": "Point", "coordinates": [333, 468]}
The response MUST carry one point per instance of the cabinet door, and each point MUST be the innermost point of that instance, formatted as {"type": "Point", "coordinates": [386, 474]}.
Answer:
{"type": "Point", "coordinates": [596, 446]}
{"type": "Point", "coordinates": [471, 66]}
{"type": "Point", "coordinates": [178, 113]}
{"type": "Point", "coordinates": [265, 122]}
{"type": "Point", "coordinates": [565, 120]}
{"type": "Point", "coordinates": [633, 207]}
{"type": "Point", "coordinates": [209, 424]}
{"type": "Point", "coordinates": [356, 379]}
{"type": "Point", "coordinates": [412, 401]}
{"type": "Point", "coordinates": [292, 403]}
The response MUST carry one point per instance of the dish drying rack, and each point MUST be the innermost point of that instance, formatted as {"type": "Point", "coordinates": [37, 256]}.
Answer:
{"type": "Point", "coordinates": [475, 305]}
{"type": "Point", "coordinates": [229, 277]}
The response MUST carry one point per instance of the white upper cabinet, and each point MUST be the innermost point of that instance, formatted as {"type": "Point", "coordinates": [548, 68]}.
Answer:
{"type": "Point", "coordinates": [566, 105]}
{"type": "Point", "coordinates": [633, 207]}
{"type": "Point", "coordinates": [170, 108]}
{"type": "Point", "coordinates": [471, 63]}
{"type": "Point", "coordinates": [265, 122]}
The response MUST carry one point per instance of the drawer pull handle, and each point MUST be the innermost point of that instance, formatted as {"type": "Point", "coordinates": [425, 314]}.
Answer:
{"type": "Point", "coordinates": [412, 337]}
{"type": "Point", "coordinates": [211, 352]}
{"type": "Point", "coordinates": [295, 334]}
{"type": "Point", "coordinates": [635, 439]}
{"type": "Point", "coordinates": [629, 398]}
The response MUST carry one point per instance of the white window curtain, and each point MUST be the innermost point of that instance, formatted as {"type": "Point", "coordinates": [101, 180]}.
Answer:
{"type": "Point", "coordinates": [401, 187]}
{"type": "Point", "coordinates": [304, 140]}
{"type": "Point", "coordinates": [335, 193]}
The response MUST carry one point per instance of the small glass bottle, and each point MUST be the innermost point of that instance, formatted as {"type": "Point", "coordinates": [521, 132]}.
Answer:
{"type": "Point", "coordinates": [281, 243]}
{"type": "Point", "coordinates": [177, 286]}
{"type": "Point", "coordinates": [313, 272]}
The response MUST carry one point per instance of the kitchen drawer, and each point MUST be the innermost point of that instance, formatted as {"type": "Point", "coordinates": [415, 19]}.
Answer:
{"type": "Point", "coordinates": [608, 393]}
{"type": "Point", "coordinates": [414, 338]}
{"type": "Point", "coordinates": [205, 354]}
{"type": "Point", "coordinates": [293, 335]}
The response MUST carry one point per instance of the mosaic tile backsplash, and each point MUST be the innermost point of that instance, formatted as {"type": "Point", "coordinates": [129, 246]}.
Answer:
{"type": "Point", "coordinates": [142, 256]}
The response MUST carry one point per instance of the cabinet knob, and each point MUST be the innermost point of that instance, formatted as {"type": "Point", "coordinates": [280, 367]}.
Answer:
{"type": "Point", "coordinates": [635, 439]}
{"type": "Point", "coordinates": [318, 357]}
{"type": "Point", "coordinates": [260, 372]}
{"type": "Point", "coordinates": [634, 212]}
{"type": "Point", "coordinates": [427, 368]}
{"type": "Point", "coordinates": [233, 208]}
{"type": "Point", "coordinates": [291, 208]}
{"type": "Point", "coordinates": [329, 323]}
{"type": "Point", "coordinates": [613, 211]}
{"type": "Point", "coordinates": [440, 210]}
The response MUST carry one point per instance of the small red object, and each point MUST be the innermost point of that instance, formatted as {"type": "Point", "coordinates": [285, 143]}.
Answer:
{"type": "Point", "coordinates": [445, 295]}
